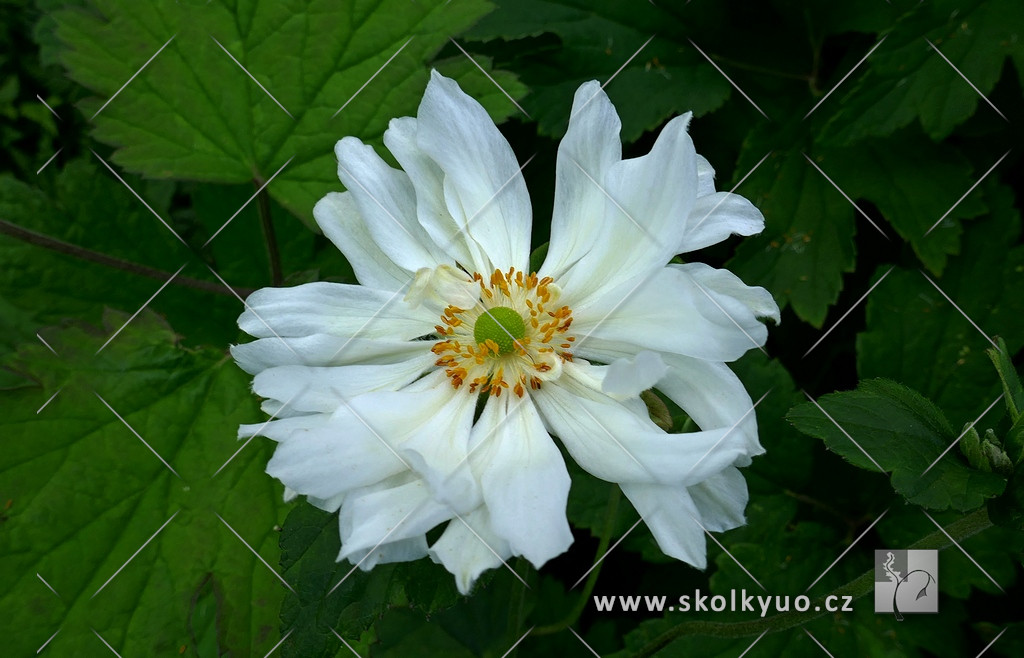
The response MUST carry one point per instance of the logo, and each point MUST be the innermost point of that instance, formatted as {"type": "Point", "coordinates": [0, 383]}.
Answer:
{"type": "Point", "coordinates": [906, 581]}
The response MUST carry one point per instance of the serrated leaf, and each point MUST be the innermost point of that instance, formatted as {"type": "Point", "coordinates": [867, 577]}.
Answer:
{"type": "Point", "coordinates": [907, 79]}
{"type": "Point", "coordinates": [86, 495]}
{"type": "Point", "coordinates": [916, 336]}
{"type": "Point", "coordinates": [884, 424]}
{"type": "Point", "coordinates": [194, 113]}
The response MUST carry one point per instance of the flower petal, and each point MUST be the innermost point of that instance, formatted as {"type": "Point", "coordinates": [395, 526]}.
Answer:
{"type": "Point", "coordinates": [320, 350]}
{"type": "Point", "coordinates": [469, 547]}
{"type": "Point", "coordinates": [404, 550]}
{"type": "Point", "coordinates": [643, 221]}
{"type": "Point", "coordinates": [591, 147]}
{"type": "Point", "coordinates": [339, 218]}
{"type": "Point", "coordinates": [524, 480]}
{"type": "Point", "coordinates": [627, 378]}
{"type": "Point", "coordinates": [484, 188]}
{"type": "Point", "coordinates": [673, 518]}
{"type": "Point", "coordinates": [332, 308]}
{"type": "Point", "coordinates": [717, 216]}
{"type": "Point", "coordinates": [721, 500]}
{"type": "Point", "coordinates": [618, 444]}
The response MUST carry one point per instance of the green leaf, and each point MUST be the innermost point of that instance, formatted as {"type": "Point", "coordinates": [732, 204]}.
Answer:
{"type": "Point", "coordinates": [193, 113]}
{"type": "Point", "coordinates": [598, 39]}
{"type": "Point", "coordinates": [884, 424]}
{"type": "Point", "coordinates": [86, 495]}
{"type": "Point", "coordinates": [908, 80]}
{"type": "Point", "coordinates": [1012, 390]}
{"type": "Point", "coordinates": [807, 243]}
{"type": "Point", "coordinates": [916, 336]}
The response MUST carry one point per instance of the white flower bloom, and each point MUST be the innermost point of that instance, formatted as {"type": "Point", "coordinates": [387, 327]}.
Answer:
{"type": "Point", "coordinates": [375, 387]}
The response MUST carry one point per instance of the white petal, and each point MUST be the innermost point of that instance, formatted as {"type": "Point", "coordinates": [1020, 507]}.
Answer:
{"type": "Point", "coordinates": [333, 308]}
{"type": "Point", "coordinates": [320, 350]}
{"type": "Point", "coordinates": [705, 177]}
{"type": "Point", "coordinates": [388, 515]}
{"type": "Point", "coordinates": [339, 218]}
{"type": "Point", "coordinates": [717, 216]}
{"type": "Point", "coordinates": [707, 317]}
{"type": "Point", "coordinates": [428, 180]}
{"type": "Point", "coordinates": [405, 550]}
{"type": "Point", "coordinates": [324, 389]}
{"type": "Point", "coordinates": [721, 500]}
{"type": "Point", "coordinates": [626, 378]}
{"type": "Point", "coordinates": [648, 200]}
{"type": "Point", "coordinates": [591, 145]}
{"type": "Point", "coordinates": [524, 480]}
{"type": "Point", "coordinates": [469, 547]}
{"type": "Point", "coordinates": [482, 178]}
{"type": "Point", "coordinates": [673, 518]}
{"type": "Point", "coordinates": [616, 444]}
{"type": "Point", "coordinates": [387, 203]}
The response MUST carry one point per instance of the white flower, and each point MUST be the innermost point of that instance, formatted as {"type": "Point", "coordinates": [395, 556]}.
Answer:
{"type": "Point", "coordinates": [374, 388]}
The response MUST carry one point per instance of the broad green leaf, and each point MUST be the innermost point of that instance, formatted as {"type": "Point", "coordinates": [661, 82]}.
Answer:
{"type": "Point", "coordinates": [193, 113]}
{"type": "Point", "coordinates": [887, 425]}
{"type": "Point", "coordinates": [908, 80]}
{"type": "Point", "coordinates": [86, 495]}
{"type": "Point", "coordinates": [807, 243]}
{"type": "Point", "coordinates": [1012, 390]}
{"type": "Point", "coordinates": [916, 336]}
{"type": "Point", "coordinates": [668, 74]}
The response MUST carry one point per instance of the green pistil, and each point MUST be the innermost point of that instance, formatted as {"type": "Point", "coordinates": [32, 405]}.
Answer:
{"type": "Point", "coordinates": [502, 325]}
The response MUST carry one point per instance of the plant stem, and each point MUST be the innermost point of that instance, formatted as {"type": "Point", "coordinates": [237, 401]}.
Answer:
{"type": "Point", "coordinates": [53, 244]}
{"type": "Point", "coordinates": [269, 237]}
{"type": "Point", "coordinates": [602, 547]}
{"type": "Point", "coordinates": [959, 530]}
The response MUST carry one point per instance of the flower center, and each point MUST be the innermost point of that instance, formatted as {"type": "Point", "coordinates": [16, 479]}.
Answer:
{"type": "Point", "coordinates": [515, 337]}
